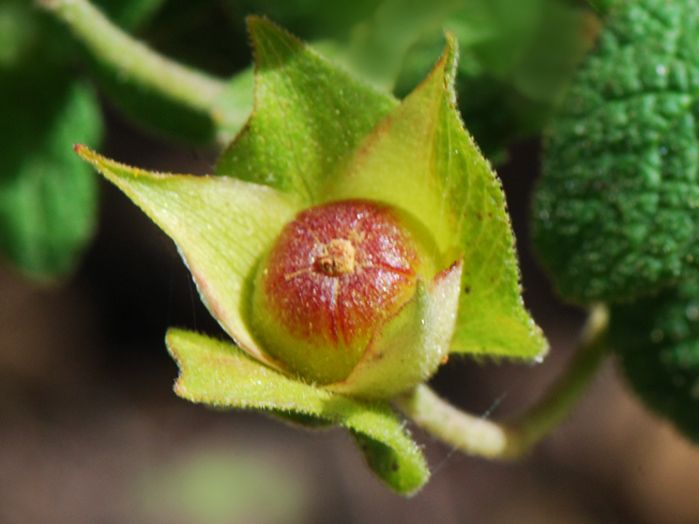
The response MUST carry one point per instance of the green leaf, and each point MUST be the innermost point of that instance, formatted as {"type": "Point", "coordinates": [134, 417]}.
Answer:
{"type": "Point", "coordinates": [221, 227]}
{"type": "Point", "coordinates": [47, 195]}
{"type": "Point", "coordinates": [308, 116]}
{"type": "Point", "coordinates": [658, 342]}
{"type": "Point", "coordinates": [217, 373]}
{"type": "Point", "coordinates": [421, 159]}
{"type": "Point", "coordinates": [616, 213]}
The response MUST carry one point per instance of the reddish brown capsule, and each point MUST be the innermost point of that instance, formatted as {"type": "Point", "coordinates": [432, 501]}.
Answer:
{"type": "Point", "coordinates": [335, 275]}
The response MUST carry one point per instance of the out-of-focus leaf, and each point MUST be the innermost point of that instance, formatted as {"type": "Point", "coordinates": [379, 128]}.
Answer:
{"type": "Point", "coordinates": [516, 57]}
{"type": "Point", "coordinates": [603, 6]}
{"type": "Point", "coordinates": [219, 374]}
{"type": "Point", "coordinates": [130, 14]}
{"type": "Point", "coordinates": [658, 341]}
{"type": "Point", "coordinates": [18, 31]}
{"type": "Point", "coordinates": [29, 38]}
{"type": "Point", "coordinates": [310, 18]}
{"type": "Point", "coordinates": [47, 196]}
{"type": "Point", "coordinates": [377, 46]}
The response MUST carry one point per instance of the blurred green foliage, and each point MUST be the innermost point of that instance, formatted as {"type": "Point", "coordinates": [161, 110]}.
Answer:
{"type": "Point", "coordinates": [47, 197]}
{"type": "Point", "coordinates": [130, 14]}
{"type": "Point", "coordinates": [515, 59]}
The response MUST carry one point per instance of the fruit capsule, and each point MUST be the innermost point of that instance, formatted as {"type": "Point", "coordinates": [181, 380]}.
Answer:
{"type": "Point", "coordinates": [334, 277]}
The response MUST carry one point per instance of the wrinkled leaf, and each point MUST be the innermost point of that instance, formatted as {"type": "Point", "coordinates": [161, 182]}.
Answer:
{"type": "Point", "coordinates": [47, 195]}
{"type": "Point", "coordinates": [657, 340]}
{"type": "Point", "coordinates": [421, 159]}
{"type": "Point", "coordinates": [308, 116]}
{"type": "Point", "coordinates": [217, 373]}
{"type": "Point", "coordinates": [220, 225]}
{"type": "Point", "coordinates": [616, 212]}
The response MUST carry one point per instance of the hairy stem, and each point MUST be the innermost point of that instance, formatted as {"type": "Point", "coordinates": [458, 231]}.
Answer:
{"type": "Point", "coordinates": [477, 436]}
{"type": "Point", "coordinates": [134, 60]}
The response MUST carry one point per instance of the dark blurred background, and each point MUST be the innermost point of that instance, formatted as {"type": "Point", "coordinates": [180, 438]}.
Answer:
{"type": "Point", "coordinates": [90, 430]}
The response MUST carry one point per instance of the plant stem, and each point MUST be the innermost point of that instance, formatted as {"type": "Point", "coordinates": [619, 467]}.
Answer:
{"type": "Point", "coordinates": [477, 436]}
{"type": "Point", "coordinates": [134, 60]}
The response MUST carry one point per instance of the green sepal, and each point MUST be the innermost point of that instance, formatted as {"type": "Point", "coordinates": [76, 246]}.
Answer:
{"type": "Point", "coordinates": [221, 227]}
{"type": "Point", "coordinates": [616, 211]}
{"type": "Point", "coordinates": [657, 340]}
{"type": "Point", "coordinates": [411, 346]}
{"type": "Point", "coordinates": [308, 116]}
{"type": "Point", "coordinates": [420, 159]}
{"type": "Point", "coordinates": [219, 374]}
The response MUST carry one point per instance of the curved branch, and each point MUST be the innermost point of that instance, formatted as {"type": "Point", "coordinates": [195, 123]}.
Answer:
{"type": "Point", "coordinates": [134, 60]}
{"type": "Point", "coordinates": [477, 436]}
